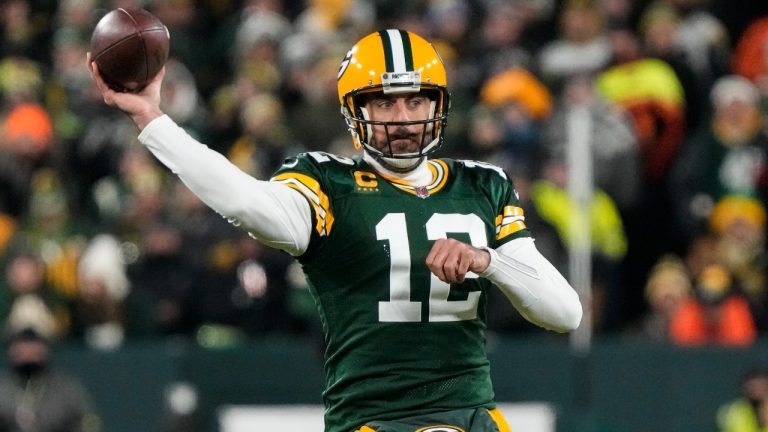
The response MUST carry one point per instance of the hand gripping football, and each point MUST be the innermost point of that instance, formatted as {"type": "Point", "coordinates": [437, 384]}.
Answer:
{"type": "Point", "coordinates": [129, 46]}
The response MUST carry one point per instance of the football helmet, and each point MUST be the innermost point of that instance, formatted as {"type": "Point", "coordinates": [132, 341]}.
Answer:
{"type": "Point", "coordinates": [393, 62]}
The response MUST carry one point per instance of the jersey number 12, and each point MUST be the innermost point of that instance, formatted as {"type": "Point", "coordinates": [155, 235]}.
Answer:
{"type": "Point", "coordinates": [399, 307]}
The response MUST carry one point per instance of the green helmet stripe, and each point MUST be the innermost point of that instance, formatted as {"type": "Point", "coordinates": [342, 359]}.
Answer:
{"type": "Point", "coordinates": [387, 44]}
{"type": "Point", "coordinates": [398, 56]}
{"type": "Point", "coordinates": [408, 53]}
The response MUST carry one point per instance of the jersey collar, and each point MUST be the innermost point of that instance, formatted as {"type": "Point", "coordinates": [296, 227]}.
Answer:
{"type": "Point", "coordinates": [426, 179]}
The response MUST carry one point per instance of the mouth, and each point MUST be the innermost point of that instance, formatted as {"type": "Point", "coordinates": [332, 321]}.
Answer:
{"type": "Point", "coordinates": [402, 140]}
{"type": "Point", "coordinates": [403, 145]}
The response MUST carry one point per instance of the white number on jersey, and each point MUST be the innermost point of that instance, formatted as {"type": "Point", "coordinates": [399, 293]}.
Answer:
{"type": "Point", "coordinates": [399, 307]}
{"type": "Point", "coordinates": [321, 157]}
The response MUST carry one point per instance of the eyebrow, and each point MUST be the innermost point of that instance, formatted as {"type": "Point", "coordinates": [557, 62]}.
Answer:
{"type": "Point", "coordinates": [393, 97]}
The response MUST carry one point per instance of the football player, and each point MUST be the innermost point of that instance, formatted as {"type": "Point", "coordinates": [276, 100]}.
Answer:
{"type": "Point", "coordinates": [400, 248]}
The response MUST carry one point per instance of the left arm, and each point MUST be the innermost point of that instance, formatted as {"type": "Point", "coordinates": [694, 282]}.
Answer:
{"type": "Point", "coordinates": [530, 282]}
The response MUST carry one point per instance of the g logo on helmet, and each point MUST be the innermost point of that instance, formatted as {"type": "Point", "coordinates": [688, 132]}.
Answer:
{"type": "Point", "coordinates": [345, 63]}
{"type": "Point", "coordinates": [440, 428]}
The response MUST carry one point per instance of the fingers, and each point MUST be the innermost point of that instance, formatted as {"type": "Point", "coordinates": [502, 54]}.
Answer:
{"type": "Point", "coordinates": [450, 260]}
{"type": "Point", "coordinates": [158, 79]}
{"type": "Point", "coordinates": [105, 91]}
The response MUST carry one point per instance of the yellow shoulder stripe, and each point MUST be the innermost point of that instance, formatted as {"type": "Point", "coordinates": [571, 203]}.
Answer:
{"type": "Point", "coordinates": [311, 190]}
{"type": "Point", "coordinates": [510, 221]}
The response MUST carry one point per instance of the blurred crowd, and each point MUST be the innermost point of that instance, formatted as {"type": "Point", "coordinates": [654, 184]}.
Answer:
{"type": "Point", "coordinates": [100, 245]}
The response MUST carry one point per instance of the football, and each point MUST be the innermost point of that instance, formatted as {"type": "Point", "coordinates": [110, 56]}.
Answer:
{"type": "Point", "coordinates": [129, 46]}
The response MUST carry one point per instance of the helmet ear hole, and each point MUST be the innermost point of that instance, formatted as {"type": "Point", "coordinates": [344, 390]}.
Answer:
{"type": "Point", "coordinates": [360, 99]}
{"type": "Point", "coordinates": [432, 94]}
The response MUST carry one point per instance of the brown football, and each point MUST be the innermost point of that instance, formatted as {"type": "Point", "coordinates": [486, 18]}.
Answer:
{"type": "Point", "coordinates": [130, 46]}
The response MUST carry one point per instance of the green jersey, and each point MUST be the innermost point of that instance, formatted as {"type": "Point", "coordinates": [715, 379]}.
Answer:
{"type": "Point", "coordinates": [399, 342]}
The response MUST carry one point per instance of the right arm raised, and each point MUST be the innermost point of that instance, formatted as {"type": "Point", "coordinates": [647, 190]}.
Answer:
{"type": "Point", "coordinates": [276, 215]}
{"type": "Point", "coordinates": [273, 213]}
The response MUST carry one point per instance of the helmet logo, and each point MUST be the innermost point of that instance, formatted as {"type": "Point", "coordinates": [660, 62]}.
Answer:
{"type": "Point", "coordinates": [345, 63]}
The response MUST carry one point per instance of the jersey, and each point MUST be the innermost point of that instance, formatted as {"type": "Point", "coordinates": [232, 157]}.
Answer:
{"type": "Point", "coordinates": [399, 342]}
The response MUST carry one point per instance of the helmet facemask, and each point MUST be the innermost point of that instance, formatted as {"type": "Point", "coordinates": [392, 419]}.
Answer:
{"type": "Point", "coordinates": [430, 138]}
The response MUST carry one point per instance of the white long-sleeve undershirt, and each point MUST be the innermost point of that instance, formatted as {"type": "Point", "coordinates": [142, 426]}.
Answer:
{"type": "Point", "coordinates": [276, 215]}
{"type": "Point", "coordinates": [280, 217]}
{"type": "Point", "coordinates": [534, 286]}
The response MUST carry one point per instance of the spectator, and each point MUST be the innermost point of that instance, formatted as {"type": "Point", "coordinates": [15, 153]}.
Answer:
{"type": "Point", "coordinates": [180, 96]}
{"type": "Point", "coordinates": [651, 93]}
{"type": "Point", "coordinates": [728, 155]}
{"type": "Point", "coordinates": [337, 17]}
{"type": "Point", "coordinates": [161, 278]}
{"type": "Point", "coordinates": [522, 104]}
{"type": "Point", "coordinates": [25, 287]}
{"type": "Point", "coordinates": [27, 135]}
{"type": "Point", "coordinates": [141, 188]}
{"type": "Point", "coordinates": [22, 29]}
{"type": "Point", "coordinates": [94, 160]}
{"type": "Point", "coordinates": [266, 138]}
{"type": "Point", "coordinates": [750, 59]}
{"type": "Point", "coordinates": [451, 21]}
{"type": "Point", "coordinates": [582, 48]}
{"type": "Point", "coordinates": [738, 224]}
{"type": "Point", "coordinates": [703, 39]}
{"type": "Point", "coordinates": [658, 27]}
{"type": "Point", "coordinates": [717, 314]}
{"type": "Point", "coordinates": [22, 80]}
{"type": "Point", "coordinates": [615, 155]}
{"type": "Point", "coordinates": [35, 396]}
{"type": "Point", "coordinates": [182, 20]}
{"type": "Point", "coordinates": [749, 412]}
{"type": "Point", "coordinates": [314, 102]}
{"type": "Point", "coordinates": [53, 231]}
{"type": "Point", "coordinates": [608, 239]}
{"type": "Point", "coordinates": [619, 13]}
{"type": "Point", "coordinates": [500, 44]}
{"type": "Point", "coordinates": [669, 286]}
{"type": "Point", "coordinates": [243, 288]}
{"type": "Point", "coordinates": [99, 315]}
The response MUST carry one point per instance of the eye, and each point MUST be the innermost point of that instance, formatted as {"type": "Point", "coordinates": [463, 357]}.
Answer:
{"type": "Point", "coordinates": [417, 101]}
{"type": "Point", "coordinates": [383, 103]}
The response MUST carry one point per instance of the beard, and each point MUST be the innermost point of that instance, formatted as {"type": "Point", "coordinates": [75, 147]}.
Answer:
{"type": "Point", "coordinates": [399, 141]}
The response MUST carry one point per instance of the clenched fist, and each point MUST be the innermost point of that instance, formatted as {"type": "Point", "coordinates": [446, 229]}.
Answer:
{"type": "Point", "coordinates": [450, 260]}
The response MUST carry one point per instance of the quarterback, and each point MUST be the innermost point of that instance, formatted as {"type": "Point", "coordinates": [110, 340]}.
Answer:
{"type": "Point", "coordinates": [399, 248]}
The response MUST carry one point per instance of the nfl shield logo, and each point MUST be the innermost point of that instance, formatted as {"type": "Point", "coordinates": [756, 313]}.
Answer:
{"type": "Point", "coordinates": [422, 192]}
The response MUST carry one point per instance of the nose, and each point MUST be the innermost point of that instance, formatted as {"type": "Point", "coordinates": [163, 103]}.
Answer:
{"type": "Point", "coordinates": [401, 112]}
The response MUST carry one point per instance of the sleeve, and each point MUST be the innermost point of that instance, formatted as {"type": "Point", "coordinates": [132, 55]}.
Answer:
{"type": "Point", "coordinates": [534, 286]}
{"type": "Point", "coordinates": [305, 174]}
{"type": "Point", "coordinates": [509, 219]}
{"type": "Point", "coordinates": [272, 213]}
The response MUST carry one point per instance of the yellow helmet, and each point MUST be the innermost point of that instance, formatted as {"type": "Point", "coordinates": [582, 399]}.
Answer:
{"type": "Point", "coordinates": [393, 61]}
